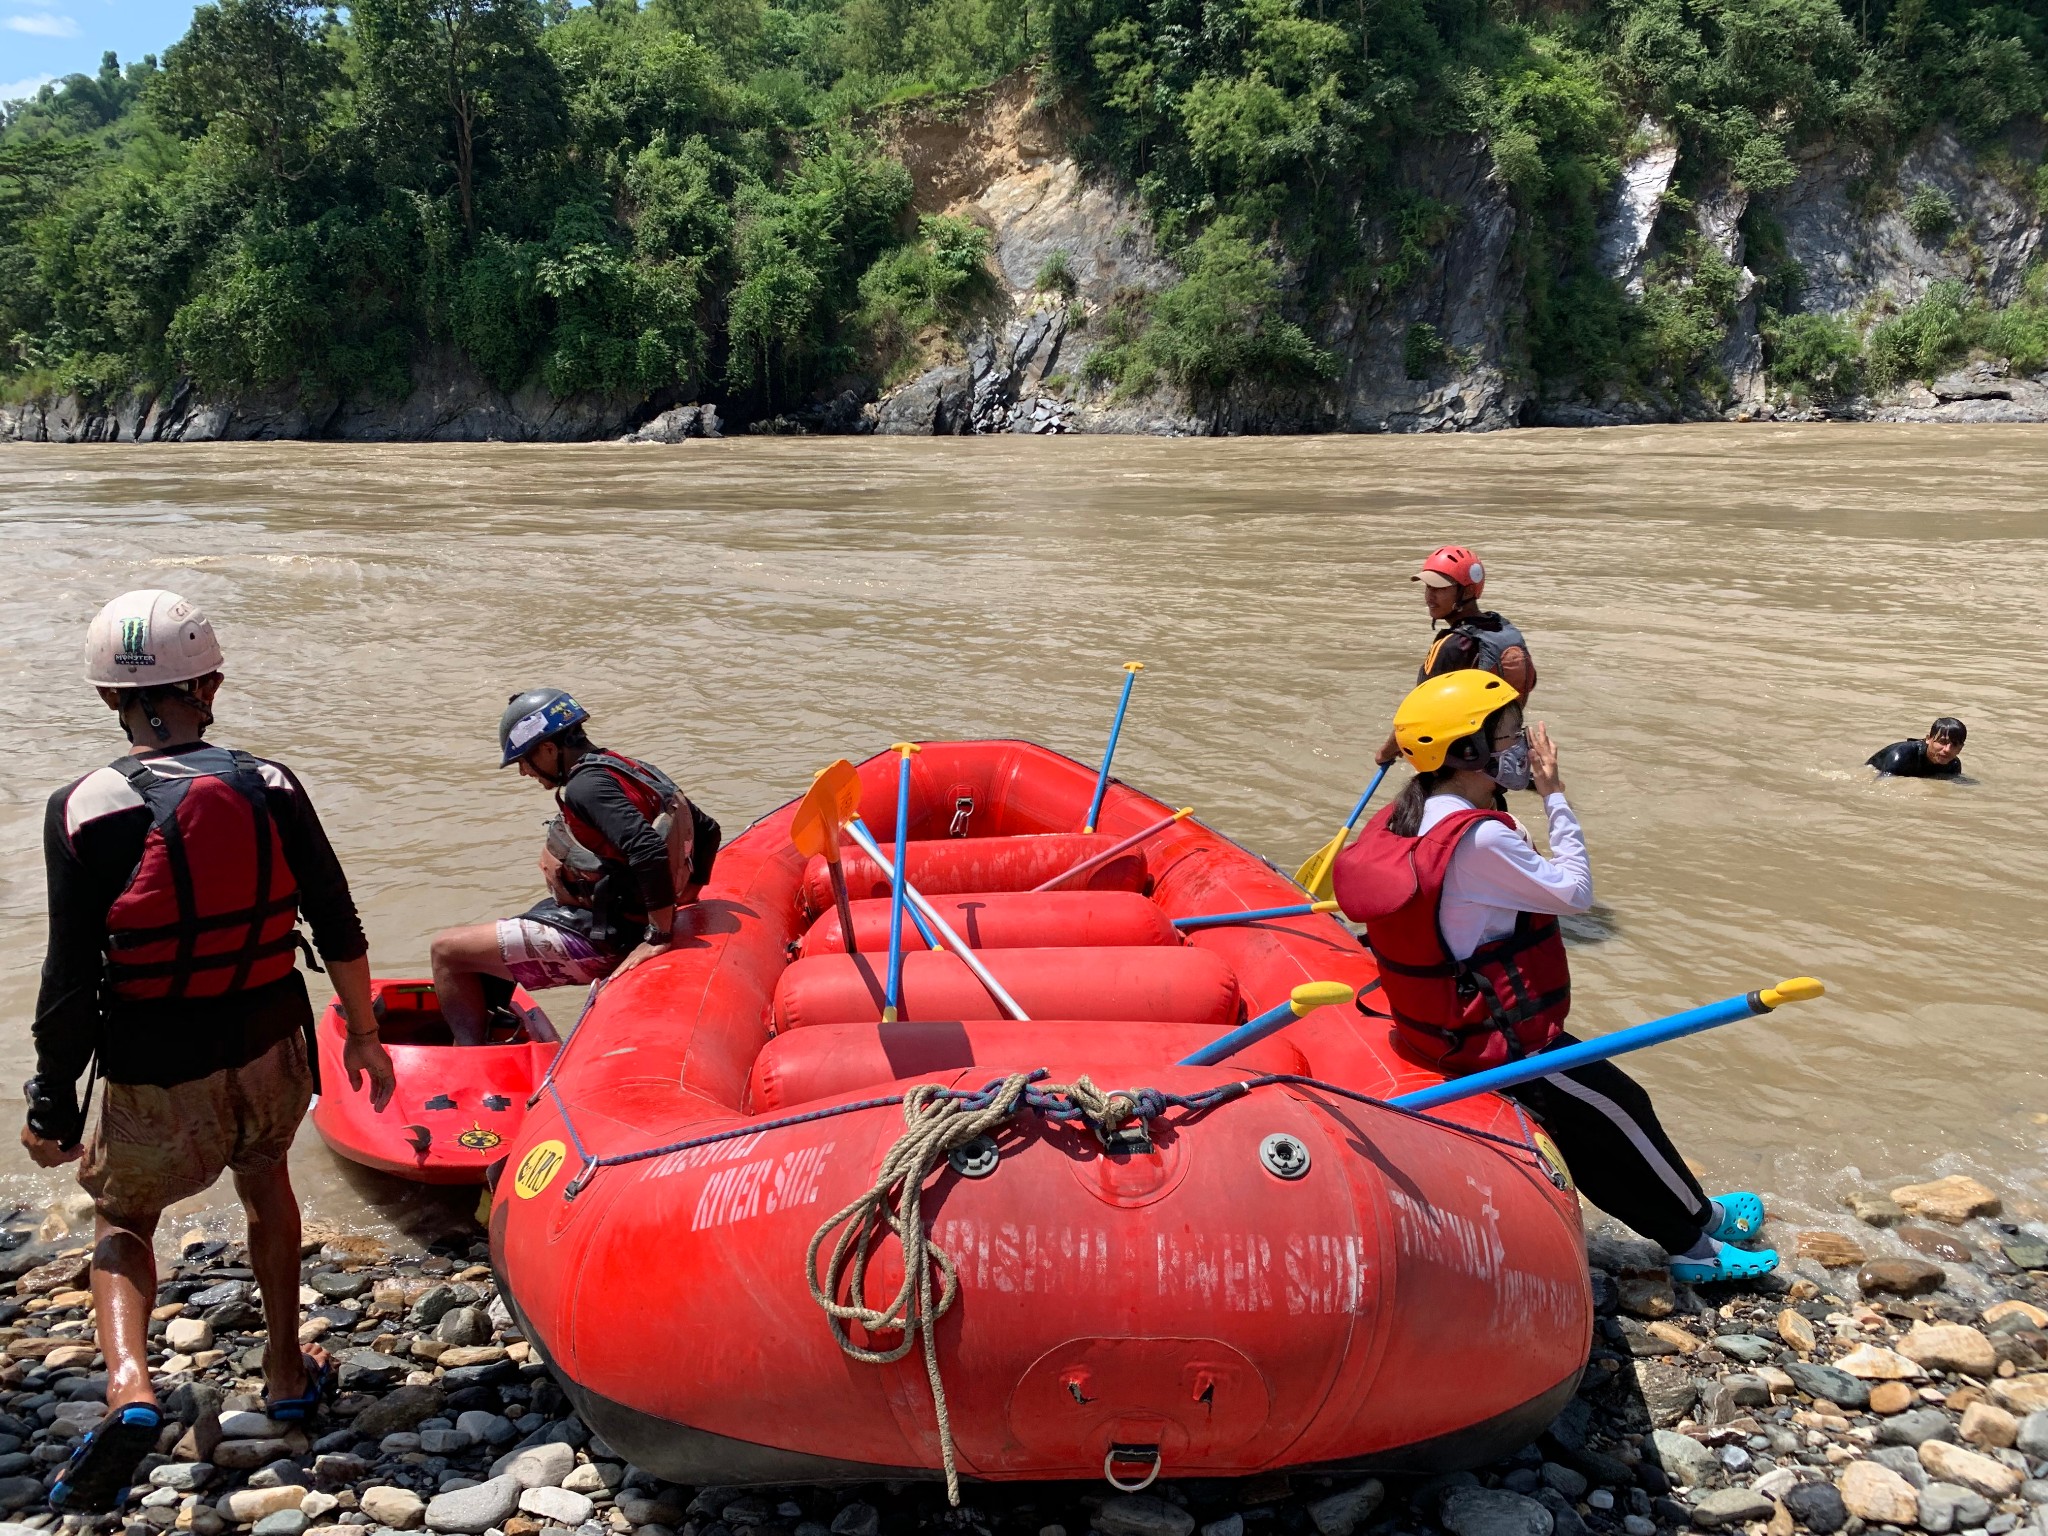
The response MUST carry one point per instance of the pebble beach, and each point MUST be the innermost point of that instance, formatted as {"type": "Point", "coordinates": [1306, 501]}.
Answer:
{"type": "Point", "coordinates": [1892, 1378]}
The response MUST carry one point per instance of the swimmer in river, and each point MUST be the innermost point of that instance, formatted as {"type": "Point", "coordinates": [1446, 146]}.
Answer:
{"type": "Point", "coordinates": [1939, 755]}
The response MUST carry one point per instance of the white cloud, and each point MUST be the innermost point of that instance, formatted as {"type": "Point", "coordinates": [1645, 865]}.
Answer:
{"type": "Point", "coordinates": [21, 90]}
{"type": "Point", "coordinates": [43, 24]}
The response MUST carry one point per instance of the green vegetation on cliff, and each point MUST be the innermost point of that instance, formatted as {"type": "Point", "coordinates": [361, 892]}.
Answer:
{"type": "Point", "coordinates": [680, 195]}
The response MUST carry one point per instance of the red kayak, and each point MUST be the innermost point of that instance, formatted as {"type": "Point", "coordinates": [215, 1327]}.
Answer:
{"type": "Point", "coordinates": [457, 1108]}
{"type": "Point", "coordinates": [1282, 1275]}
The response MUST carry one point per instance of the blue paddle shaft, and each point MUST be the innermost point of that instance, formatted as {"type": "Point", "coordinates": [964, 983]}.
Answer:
{"type": "Point", "coordinates": [1371, 789]}
{"type": "Point", "coordinates": [1231, 919]}
{"type": "Point", "coordinates": [1656, 1032]}
{"type": "Point", "coordinates": [893, 990]}
{"type": "Point", "coordinates": [1115, 729]}
{"type": "Point", "coordinates": [1271, 1022]}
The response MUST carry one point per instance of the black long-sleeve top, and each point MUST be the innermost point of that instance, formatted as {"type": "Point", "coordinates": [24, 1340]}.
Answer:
{"type": "Point", "coordinates": [93, 837]}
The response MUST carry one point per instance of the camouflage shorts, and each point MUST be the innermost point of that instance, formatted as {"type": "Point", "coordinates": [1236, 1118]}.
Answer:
{"type": "Point", "coordinates": [152, 1147]}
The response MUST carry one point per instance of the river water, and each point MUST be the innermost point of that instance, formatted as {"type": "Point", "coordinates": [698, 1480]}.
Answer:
{"type": "Point", "coordinates": [1727, 621]}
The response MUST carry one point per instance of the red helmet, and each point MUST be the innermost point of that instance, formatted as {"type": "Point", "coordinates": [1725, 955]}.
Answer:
{"type": "Point", "coordinates": [1454, 566]}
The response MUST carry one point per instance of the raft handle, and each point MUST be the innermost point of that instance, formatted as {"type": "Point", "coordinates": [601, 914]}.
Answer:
{"type": "Point", "coordinates": [1131, 1453]}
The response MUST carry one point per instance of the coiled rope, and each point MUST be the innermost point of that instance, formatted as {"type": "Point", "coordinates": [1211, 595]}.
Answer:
{"type": "Point", "coordinates": [938, 1121]}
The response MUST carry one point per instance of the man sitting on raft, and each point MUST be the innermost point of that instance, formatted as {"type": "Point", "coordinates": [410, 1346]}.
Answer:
{"type": "Point", "coordinates": [1461, 912]}
{"type": "Point", "coordinates": [1938, 756]}
{"type": "Point", "coordinates": [627, 849]}
{"type": "Point", "coordinates": [1453, 580]}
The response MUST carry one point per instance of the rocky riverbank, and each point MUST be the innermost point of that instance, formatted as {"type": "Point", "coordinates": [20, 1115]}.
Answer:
{"type": "Point", "coordinates": [1893, 1380]}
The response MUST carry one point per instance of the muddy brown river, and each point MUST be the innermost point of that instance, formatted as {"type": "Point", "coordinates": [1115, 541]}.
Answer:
{"type": "Point", "coordinates": [1727, 622]}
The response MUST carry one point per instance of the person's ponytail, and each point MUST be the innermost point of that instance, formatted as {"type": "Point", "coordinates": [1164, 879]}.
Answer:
{"type": "Point", "coordinates": [1406, 820]}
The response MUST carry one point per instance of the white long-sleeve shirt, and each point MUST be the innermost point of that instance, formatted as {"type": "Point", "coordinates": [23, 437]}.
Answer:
{"type": "Point", "coordinates": [1497, 874]}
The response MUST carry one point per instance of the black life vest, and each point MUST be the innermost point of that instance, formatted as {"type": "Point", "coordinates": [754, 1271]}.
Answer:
{"type": "Point", "coordinates": [1509, 999]}
{"type": "Point", "coordinates": [212, 906]}
{"type": "Point", "coordinates": [654, 795]}
{"type": "Point", "coordinates": [1477, 641]}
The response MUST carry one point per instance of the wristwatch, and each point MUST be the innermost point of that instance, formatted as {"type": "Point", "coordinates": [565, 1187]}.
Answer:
{"type": "Point", "coordinates": [660, 938]}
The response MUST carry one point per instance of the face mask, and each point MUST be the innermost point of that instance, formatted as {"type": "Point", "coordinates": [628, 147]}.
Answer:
{"type": "Point", "coordinates": [1510, 768]}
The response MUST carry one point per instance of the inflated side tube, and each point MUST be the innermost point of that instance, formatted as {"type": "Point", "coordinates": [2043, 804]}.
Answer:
{"type": "Point", "coordinates": [808, 1064]}
{"type": "Point", "coordinates": [950, 866]}
{"type": "Point", "coordinates": [1167, 986]}
{"type": "Point", "coordinates": [1014, 920]}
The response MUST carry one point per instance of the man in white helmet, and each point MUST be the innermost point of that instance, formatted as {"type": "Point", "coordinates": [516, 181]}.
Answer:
{"type": "Point", "coordinates": [177, 878]}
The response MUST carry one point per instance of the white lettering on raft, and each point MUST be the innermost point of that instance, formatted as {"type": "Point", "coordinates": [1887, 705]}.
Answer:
{"type": "Point", "coordinates": [1321, 1273]}
{"type": "Point", "coordinates": [711, 1152]}
{"type": "Point", "coordinates": [760, 1188]}
{"type": "Point", "coordinates": [1457, 1243]}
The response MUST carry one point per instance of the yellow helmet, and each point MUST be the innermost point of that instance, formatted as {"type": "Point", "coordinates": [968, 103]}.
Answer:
{"type": "Point", "coordinates": [1444, 710]}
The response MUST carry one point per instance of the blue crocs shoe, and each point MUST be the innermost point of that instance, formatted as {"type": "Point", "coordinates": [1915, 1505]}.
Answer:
{"type": "Point", "coordinates": [1742, 1216]}
{"type": "Point", "coordinates": [1728, 1264]}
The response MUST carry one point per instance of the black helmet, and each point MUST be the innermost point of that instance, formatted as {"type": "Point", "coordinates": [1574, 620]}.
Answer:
{"type": "Point", "coordinates": [535, 716]}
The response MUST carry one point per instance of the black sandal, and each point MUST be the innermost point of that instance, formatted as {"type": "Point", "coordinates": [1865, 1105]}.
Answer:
{"type": "Point", "coordinates": [106, 1459]}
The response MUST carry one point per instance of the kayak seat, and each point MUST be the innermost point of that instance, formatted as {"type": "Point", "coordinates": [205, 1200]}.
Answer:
{"type": "Point", "coordinates": [948, 866]}
{"type": "Point", "coordinates": [809, 1064]}
{"type": "Point", "coordinates": [1183, 985]}
{"type": "Point", "coordinates": [1010, 920]}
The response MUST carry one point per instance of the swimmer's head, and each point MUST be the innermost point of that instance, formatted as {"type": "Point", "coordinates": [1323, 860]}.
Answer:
{"type": "Point", "coordinates": [1945, 740]}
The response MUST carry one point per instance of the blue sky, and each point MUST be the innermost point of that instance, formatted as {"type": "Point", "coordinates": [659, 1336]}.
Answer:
{"type": "Point", "coordinates": [42, 39]}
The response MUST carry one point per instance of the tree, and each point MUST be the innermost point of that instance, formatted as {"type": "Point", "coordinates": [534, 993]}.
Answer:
{"type": "Point", "coordinates": [256, 72]}
{"type": "Point", "coordinates": [459, 71]}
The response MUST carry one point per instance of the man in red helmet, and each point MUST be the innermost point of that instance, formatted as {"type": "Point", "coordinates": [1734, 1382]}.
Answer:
{"type": "Point", "coordinates": [1470, 639]}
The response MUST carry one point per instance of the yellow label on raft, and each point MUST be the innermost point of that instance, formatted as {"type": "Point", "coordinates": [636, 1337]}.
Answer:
{"type": "Point", "coordinates": [1553, 1160]}
{"type": "Point", "coordinates": [538, 1168]}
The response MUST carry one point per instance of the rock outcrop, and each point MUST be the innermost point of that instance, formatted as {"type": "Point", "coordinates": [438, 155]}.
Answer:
{"type": "Point", "coordinates": [1435, 341]}
{"type": "Point", "coordinates": [449, 403]}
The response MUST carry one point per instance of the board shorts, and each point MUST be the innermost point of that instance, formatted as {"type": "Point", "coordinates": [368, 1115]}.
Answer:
{"type": "Point", "coordinates": [541, 955]}
{"type": "Point", "coordinates": [154, 1146]}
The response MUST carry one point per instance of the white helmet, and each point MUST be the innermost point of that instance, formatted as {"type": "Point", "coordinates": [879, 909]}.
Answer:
{"type": "Point", "coordinates": [148, 638]}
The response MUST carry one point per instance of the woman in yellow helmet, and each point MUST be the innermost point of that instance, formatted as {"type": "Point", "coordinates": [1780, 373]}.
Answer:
{"type": "Point", "coordinates": [1461, 912]}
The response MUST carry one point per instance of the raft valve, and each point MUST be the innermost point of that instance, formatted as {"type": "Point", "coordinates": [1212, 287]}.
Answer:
{"type": "Point", "coordinates": [1284, 1156]}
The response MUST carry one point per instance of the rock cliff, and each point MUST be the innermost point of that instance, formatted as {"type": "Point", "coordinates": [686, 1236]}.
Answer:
{"type": "Point", "coordinates": [1440, 345]}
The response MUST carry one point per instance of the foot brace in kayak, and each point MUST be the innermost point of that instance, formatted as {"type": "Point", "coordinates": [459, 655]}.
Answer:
{"type": "Point", "coordinates": [105, 1461]}
{"type": "Point", "coordinates": [1741, 1216]}
{"type": "Point", "coordinates": [1726, 1264]}
{"type": "Point", "coordinates": [296, 1410]}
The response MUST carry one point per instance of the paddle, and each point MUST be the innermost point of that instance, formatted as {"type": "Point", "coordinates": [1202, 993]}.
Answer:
{"type": "Point", "coordinates": [829, 804]}
{"type": "Point", "coordinates": [954, 942]}
{"type": "Point", "coordinates": [1131, 671]}
{"type": "Point", "coordinates": [1097, 860]}
{"type": "Point", "coordinates": [1746, 1005]}
{"type": "Point", "coordinates": [1305, 999]}
{"type": "Point", "coordinates": [1314, 876]}
{"type": "Point", "coordinates": [899, 880]}
{"type": "Point", "coordinates": [1232, 919]}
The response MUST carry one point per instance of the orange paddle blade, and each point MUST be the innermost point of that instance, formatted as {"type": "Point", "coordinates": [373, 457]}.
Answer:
{"type": "Point", "coordinates": [831, 802]}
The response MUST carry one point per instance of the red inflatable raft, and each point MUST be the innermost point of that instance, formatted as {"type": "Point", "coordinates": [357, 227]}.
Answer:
{"type": "Point", "coordinates": [1290, 1277]}
{"type": "Point", "coordinates": [456, 1107]}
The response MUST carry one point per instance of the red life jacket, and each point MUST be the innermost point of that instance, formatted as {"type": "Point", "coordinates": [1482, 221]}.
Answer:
{"type": "Point", "coordinates": [212, 906]}
{"type": "Point", "coordinates": [654, 795]}
{"type": "Point", "coordinates": [1508, 1000]}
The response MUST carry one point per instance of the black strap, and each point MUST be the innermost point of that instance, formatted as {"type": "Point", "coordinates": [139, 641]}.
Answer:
{"type": "Point", "coordinates": [192, 965]}
{"type": "Point", "coordinates": [247, 780]}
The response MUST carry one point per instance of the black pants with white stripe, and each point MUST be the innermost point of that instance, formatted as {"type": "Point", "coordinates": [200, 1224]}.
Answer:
{"type": "Point", "coordinates": [1606, 1127]}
